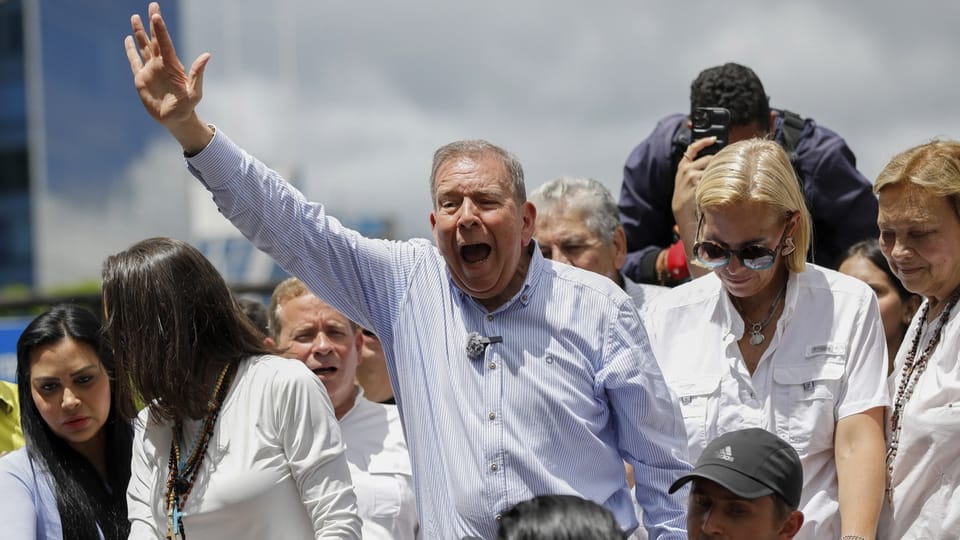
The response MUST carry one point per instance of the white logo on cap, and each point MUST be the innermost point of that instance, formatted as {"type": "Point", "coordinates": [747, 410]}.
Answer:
{"type": "Point", "coordinates": [725, 454]}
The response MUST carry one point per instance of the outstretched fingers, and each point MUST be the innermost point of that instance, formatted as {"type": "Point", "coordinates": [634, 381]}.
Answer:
{"type": "Point", "coordinates": [140, 35]}
{"type": "Point", "coordinates": [195, 79]}
{"type": "Point", "coordinates": [132, 55]}
{"type": "Point", "coordinates": [159, 31]}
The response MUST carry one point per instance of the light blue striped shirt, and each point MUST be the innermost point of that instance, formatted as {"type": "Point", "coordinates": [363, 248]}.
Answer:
{"type": "Point", "coordinates": [571, 390]}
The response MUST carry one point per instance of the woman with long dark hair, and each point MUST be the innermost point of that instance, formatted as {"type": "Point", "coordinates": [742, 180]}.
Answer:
{"type": "Point", "coordinates": [865, 261]}
{"type": "Point", "coordinates": [70, 479]}
{"type": "Point", "coordinates": [235, 442]}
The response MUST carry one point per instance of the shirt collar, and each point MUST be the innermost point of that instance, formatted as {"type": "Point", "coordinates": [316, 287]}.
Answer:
{"type": "Point", "coordinates": [525, 294]}
{"type": "Point", "coordinates": [731, 319]}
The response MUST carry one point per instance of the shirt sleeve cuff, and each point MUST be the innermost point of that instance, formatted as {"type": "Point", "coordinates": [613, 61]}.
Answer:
{"type": "Point", "coordinates": [217, 162]}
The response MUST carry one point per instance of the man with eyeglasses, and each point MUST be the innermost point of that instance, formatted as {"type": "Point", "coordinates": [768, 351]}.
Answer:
{"type": "Point", "coordinates": [767, 340]}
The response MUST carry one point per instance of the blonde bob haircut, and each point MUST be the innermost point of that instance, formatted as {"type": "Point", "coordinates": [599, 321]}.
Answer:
{"type": "Point", "coordinates": [757, 170]}
{"type": "Point", "coordinates": [934, 166]}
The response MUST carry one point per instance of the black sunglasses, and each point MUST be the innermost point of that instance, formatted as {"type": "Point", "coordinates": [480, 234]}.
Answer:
{"type": "Point", "coordinates": [755, 256]}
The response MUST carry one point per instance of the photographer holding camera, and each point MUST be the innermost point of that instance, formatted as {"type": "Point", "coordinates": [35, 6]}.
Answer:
{"type": "Point", "coordinates": [662, 172]}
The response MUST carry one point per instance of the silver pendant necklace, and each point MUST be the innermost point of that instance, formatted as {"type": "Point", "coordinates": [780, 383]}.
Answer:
{"type": "Point", "coordinates": [756, 328]}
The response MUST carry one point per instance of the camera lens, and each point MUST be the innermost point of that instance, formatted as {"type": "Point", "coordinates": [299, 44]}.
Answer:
{"type": "Point", "coordinates": [701, 119]}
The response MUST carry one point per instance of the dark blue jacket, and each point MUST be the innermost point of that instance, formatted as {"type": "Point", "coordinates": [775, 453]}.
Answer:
{"type": "Point", "coordinates": [840, 199]}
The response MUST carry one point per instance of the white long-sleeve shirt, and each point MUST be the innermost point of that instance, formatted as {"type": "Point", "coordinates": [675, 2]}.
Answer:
{"type": "Point", "coordinates": [926, 477]}
{"type": "Point", "coordinates": [826, 361]}
{"type": "Point", "coordinates": [274, 468]}
{"type": "Point", "coordinates": [380, 466]}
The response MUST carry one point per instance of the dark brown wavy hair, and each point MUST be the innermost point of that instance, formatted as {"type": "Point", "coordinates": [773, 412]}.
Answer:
{"type": "Point", "coordinates": [172, 321]}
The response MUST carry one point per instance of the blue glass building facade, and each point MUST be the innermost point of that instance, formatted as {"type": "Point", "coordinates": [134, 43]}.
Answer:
{"type": "Point", "coordinates": [16, 252]}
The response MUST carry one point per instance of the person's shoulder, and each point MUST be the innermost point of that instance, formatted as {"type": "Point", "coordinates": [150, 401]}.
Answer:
{"type": "Point", "coordinates": [663, 132]}
{"type": "Point", "coordinates": [15, 462]}
{"type": "Point", "coordinates": [817, 141]}
{"type": "Point", "coordinates": [371, 409]}
{"type": "Point", "coordinates": [262, 368]}
{"type": "Point", "coordinates": [818, 278]}
{"type": "Point", "coordinates": [704, 289]}
{"type": "Point", "coordinates": [583, 282]}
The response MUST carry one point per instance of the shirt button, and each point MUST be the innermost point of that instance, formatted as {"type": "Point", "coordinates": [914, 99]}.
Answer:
{"type": "Point", "coordinates": [524, 298]}
{"type": "Point", "coordinates": [494, 467]}
{"type": "Point", "coordinates": [492, 415]}
{"type": "Point", "coordinates": [497, 517]}
{"type": "Point", "coordinates": [493, 365]}
{"type": "Point", "coordinates": [489, 317]}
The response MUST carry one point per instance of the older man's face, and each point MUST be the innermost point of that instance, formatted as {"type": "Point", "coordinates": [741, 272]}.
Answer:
{"type": "Point", "coordinates": [563, 236]}
{"type": "Point", "coordinates": [479, 227]}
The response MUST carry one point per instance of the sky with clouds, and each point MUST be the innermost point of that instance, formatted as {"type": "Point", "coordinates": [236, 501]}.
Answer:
{"type": "Point", "coordinates": [350, 99]}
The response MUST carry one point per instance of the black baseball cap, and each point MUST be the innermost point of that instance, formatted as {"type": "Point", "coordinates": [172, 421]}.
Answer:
{"type": "Point", "coordinates": [751, 463]}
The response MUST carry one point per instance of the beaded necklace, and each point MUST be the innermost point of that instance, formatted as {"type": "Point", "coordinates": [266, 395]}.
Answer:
{"type": "Point", "coordinates": [183, 469]}
{"type": "Point", "coordinates": [913, 368]}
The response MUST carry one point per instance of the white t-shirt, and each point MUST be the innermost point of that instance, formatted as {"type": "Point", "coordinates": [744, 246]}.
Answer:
{"type": "Point", "coordinates": [926, 469]}
{"type": "Point", "coordinates": [380, 467]}
{"type": "Point", "coordinates": [274, 468]}
{"type": "Point", "coordinates": [826, 361]}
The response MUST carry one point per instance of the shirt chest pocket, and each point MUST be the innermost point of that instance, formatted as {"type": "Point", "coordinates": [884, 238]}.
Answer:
{"type": "Point", "coordinates": [699, 398]}
{"type": "Point", "coordinates": [805, 397]}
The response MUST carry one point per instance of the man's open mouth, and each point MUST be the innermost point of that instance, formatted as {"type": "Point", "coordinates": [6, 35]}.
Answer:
{"type": "Point", "coordinates": [473, 253]}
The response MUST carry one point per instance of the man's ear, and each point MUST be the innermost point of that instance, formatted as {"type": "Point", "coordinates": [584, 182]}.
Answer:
{"type": "Point", "coordinates": [269, 342]}
{"type": "Point", "coordinates": [619, 242]}
{"type": "Point", "coordinates": [528, 216]}
{"type": "Point", "coordinates": [791, 526]}
{"type": "Point", "coordinates": [358, 342]}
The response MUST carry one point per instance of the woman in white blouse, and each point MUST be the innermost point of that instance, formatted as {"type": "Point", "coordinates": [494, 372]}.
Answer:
{"type": "Point", "coordinates": [767, 340]}
{"type": "Point", "coordinates": [919, 220]}
{"type": "Point", "coordinates": [234, 442]}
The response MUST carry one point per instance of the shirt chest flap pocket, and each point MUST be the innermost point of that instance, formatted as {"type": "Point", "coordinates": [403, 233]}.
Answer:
{"type": "Point", "coordinates": [699, 397]}
{"type": "Point", "coordinates": [805, 396]}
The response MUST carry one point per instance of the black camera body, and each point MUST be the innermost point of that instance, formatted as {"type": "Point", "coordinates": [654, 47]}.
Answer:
{"type": "Point", "coordinates": [711, 122]}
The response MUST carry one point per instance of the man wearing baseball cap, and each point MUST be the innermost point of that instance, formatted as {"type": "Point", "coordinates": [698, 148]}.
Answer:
{"type": "Point", "coordinates": [746, 485]}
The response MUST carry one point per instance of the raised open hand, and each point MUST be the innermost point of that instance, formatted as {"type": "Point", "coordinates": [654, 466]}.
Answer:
{"type": "Point", "coordinates": [168, 93]}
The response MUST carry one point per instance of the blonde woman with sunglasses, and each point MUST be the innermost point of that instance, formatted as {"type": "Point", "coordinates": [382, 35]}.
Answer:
{"type": "Point", "coordinates": [767, 340]}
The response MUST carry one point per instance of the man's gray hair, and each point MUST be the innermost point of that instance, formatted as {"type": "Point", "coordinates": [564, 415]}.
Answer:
{"type": "Point", "coordinates": [579, 193]}
{"type": "Point", "coordinates": [476, 148]}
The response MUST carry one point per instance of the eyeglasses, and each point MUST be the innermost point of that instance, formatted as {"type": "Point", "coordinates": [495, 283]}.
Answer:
{"type": "Point", "coordinates": [714, 255]}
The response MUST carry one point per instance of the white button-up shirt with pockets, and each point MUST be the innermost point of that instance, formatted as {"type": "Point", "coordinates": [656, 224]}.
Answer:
{"type": "Point", "coordinates": [925, 477]}
{"type": "Point", "coordinates": [826, 361]}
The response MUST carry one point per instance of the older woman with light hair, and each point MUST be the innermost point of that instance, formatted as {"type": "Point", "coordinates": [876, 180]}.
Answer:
{"type": "Point", "coordinates": [919, 220]}
{"type": "Point", "coordinates": [767, 340]}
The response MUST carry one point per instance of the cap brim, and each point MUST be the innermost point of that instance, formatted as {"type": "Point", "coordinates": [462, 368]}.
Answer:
{"type": "Point", "coordinates": [735, 481]}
